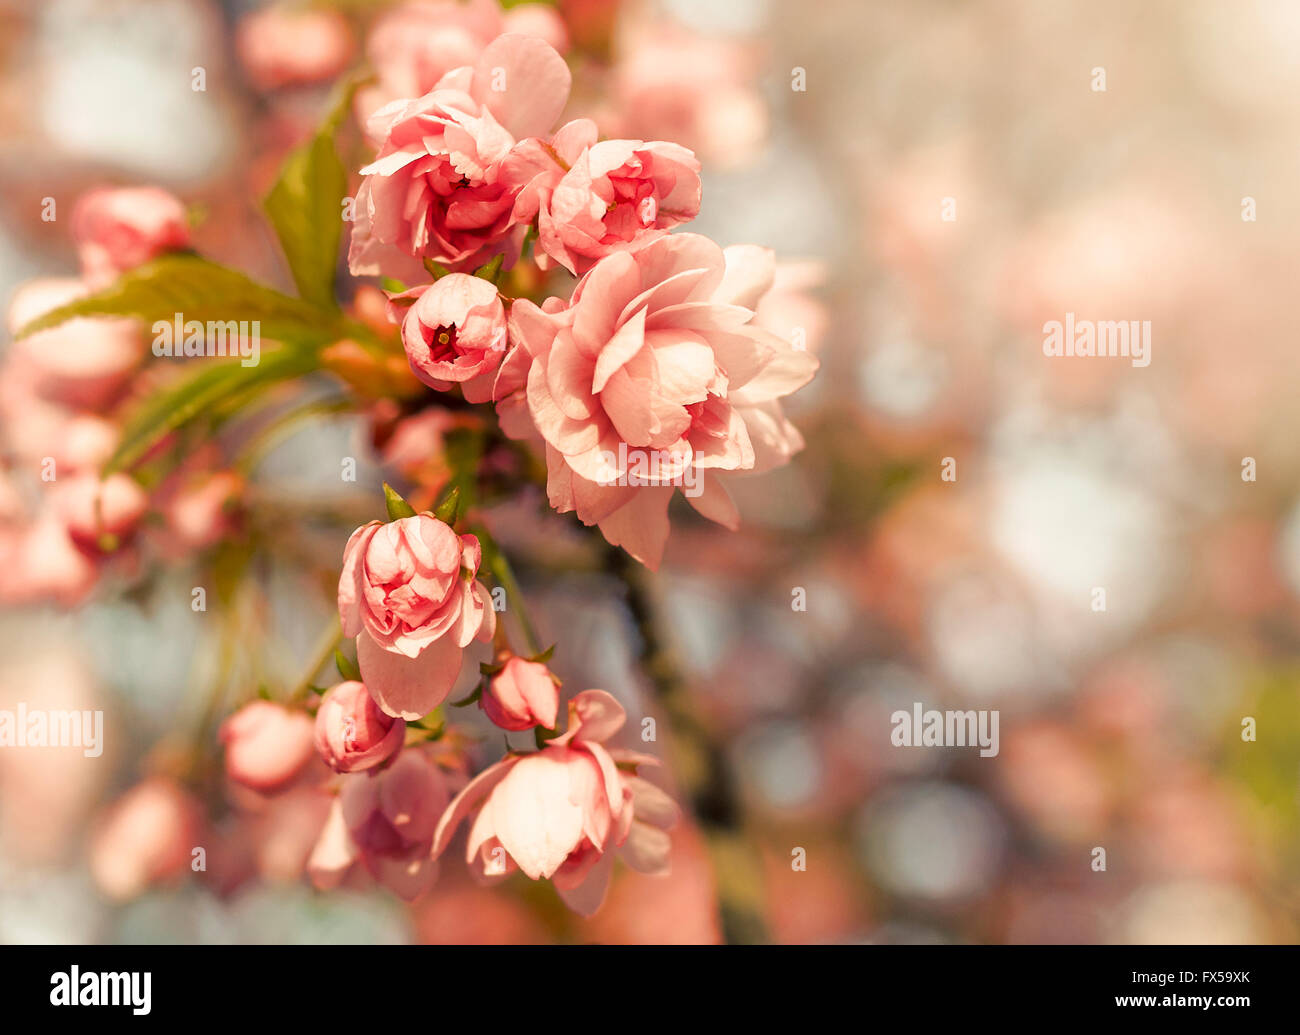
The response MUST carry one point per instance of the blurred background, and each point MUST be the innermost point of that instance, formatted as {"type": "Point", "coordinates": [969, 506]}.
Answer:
{"type": "Point", "coordinates": [941, 178]}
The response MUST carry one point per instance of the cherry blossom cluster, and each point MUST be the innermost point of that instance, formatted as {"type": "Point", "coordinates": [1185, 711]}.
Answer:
{"type": "Point", "coordinates": [654, 351]}
{"type": "Point", "coordinates": [656, 354]}
{"type": "Point", "coordinates": [63, 392]}
{"type": "Point", "coordinates": [539, 288]}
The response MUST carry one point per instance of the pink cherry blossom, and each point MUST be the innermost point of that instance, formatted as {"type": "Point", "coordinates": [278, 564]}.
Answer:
{"type": "Point", "coordinates": [285, 47]}
{"type": "Point", "coordinates": [522, 695]}
{"type": "Point", "coordinates": [385, 819]}
{"type": "Point", "coordinates": [681, 86]}
{"type": "Point", "coordinates": [455, 332]}
{"type": "Point", "coordinates": [86, 443]}
{"type": "Point", "coordinates": [81, 362]}
{"type": "Point", "coordinates": [100, 514]}
{"type": "Point", "coordinates": [656, 377]}
{"type": "Point", "coordinates": [83, 521]}
{"type": "Point", "coordinates": [540, 20]}
{"type": "Point", "coordinates": [591, 199]}
{"type": "Point", "coordinates": [352, 733]}
{"type": "Point", "coordinates": [201, 510]}
{"type": "Point", "coordinates": [146, 836]}
{"type": "Point", "coordinates": [437, 189]}
{"type": "Point", "coordinates": [36, 428]}
{"type": "Point", "coordinates": [45, 564]}
{"type": "Point", "coordinates": [267, 745]}
{"type": "Point", "coordinates": [561, 813]}
{"type": "Point", "coordinates": [119, 228]}
{"type": "Point", "coordinates": [408, 593]}
{"type": "Point", "coordinates": [414, 45]}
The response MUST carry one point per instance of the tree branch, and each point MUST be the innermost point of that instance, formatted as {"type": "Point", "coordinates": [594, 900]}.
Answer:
{"type": "Point", "coordinates": [700, 764]}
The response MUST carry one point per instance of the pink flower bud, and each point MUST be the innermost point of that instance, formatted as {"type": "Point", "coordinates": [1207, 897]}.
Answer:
{"type": "Point", "coordinates": [266, 745]}
{"type": "Point", "coordinates": [205, 509]}
{"type": "Point", "coordinates": [148, 835]}
{"type": "Point", "coordinates": [409, 594]}
{"type": "Point", "coordinates": [81, 363]}
{"type": "Point", "coordinates": [352, 733]}
{"type": "Point", "coordinates": [118, 229]}
{"type": "Point", "coordinates": [455, 331]}
{"type": "Point", "coordinates": [46, 565]}
{"type": "Point", "coordinates": [102, 515]}
{"type": "Point", "coordinates": [283, 47]}
{"type": "Point", "coordinates": [522, 695]}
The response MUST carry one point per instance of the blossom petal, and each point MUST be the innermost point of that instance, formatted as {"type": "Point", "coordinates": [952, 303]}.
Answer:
{"type": "Point", "coordinates": [647, 850]}
{"type": "Point", "coordinates": [334, 852]}
{"type": "Point", "coordinates": [408, 688]}
{"type": "Point", "coordinates": [587, 897]}
{"type": "Point", "coordinates": [641, 526]}
{"type": "Point", "coordinates": [466, 801]}
{"type": "Point", "coordinates": [523, 82]}
{"type": "Point", "coordinates": [714, 502]}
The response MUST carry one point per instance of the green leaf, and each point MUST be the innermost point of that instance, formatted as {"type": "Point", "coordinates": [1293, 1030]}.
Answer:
{"type": "Point", "coordinates": [432, 721]}
{"type": "Point", "coordinates": [206, 388]}
{"type": "Point", "coordinates": [491, 270]}
{"type": "Point", "coordinates": [305, 206]}
{"type": "Point", "coordinates": [544, 656]}
{"type": "Point", "coordinates": [398, 508]}
{"type": "Point", "coordinates": [462, 448]}
{"type": "Point", "coordinates": [202, 291]}
{"type": "Point", "coordinates": [447, 511]}
{"type": "Point", "coordinates": [471, 698]}
{"type": "Point", "coordinates": [347, 667]}
{"type": "Point", "coordinates": [541, 735]}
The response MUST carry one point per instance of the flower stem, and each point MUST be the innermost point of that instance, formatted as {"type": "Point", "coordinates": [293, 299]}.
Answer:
{"type": "Point", "coordinates": [330, 638]}
{"type": "Point", "coordinates": [499, 565]}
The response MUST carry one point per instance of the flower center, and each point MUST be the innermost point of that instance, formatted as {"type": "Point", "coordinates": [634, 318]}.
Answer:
{"type": "Point", "coordinates": [442, 343]}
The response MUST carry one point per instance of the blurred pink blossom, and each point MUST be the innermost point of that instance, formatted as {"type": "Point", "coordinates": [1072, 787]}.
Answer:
{"type": "Point", "coordinates": [281, 46]}
{"type": "Point", "coordinates": [119, 228]}
{"type": "Point", "coordinates": [145, 837]}
{"type": "Point", "coordinates": [412, 46]}
{"type": "Point", "coordinates": [385, 819]}
{"type": "Point", "coordinates": [267, 745]}
{"type": "Point", "coordinates": [82, 362]}
{"type": "Point", "coordinates": [670, 84]}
